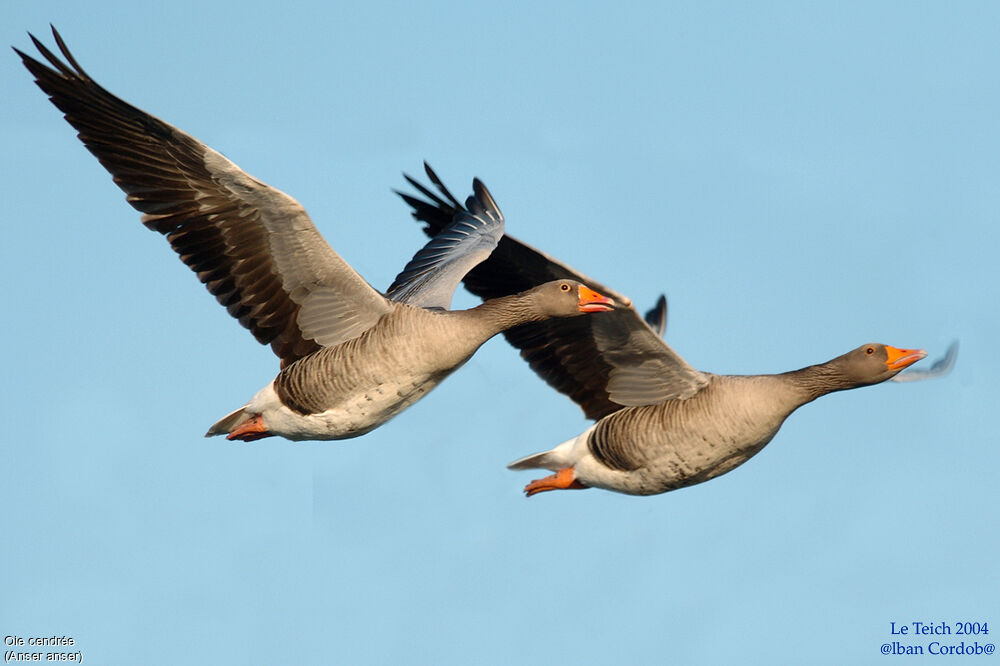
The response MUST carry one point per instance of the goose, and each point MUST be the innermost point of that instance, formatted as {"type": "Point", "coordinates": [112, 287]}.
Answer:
{"type": "Point", "coordinates": [659, 424]}
{"type": "Point", "coordinates": [351, 357]}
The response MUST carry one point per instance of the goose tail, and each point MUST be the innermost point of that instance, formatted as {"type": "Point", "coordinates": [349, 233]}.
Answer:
{"type": "Point", "coordinates": [543, 460]}
{"type": "Point", "coordinates": [564, 455]}
{"type": "Point", "coordinates": [227, 423]}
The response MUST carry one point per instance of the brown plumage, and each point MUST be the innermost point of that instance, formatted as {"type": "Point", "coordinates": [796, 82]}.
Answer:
{"type": "Point", "coordinates": [168, 176]}
{"type": "Point", "coordinates": [661, 424]}
{"type": "Point", "coordinates": [351, 357]}
{"type": "Point", "coordinates": [563, 352]}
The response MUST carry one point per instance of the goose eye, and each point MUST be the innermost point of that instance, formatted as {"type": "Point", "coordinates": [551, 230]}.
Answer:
{"type": "Point", "coordinates": [870, 351]}
{"type": "Point", "coordinates": [564, 286]}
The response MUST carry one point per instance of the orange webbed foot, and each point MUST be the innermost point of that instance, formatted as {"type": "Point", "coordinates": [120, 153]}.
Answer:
{"type": "Point", "coordinates": [564, 479]}
{"type": "Point", "coordinates": [251, 429]}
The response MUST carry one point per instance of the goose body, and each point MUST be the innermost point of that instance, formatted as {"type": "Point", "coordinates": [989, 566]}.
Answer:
{"type": "Point", "coordinates": [655, 448]}
{"type": "Point", "coordinates": [352, 388]}
{"type": "Point", "coordinates": [660, 424]}
{"type": "Point", "coordinates": [351, 357]}
{"type": "Point", "coordinates": [652, 449]}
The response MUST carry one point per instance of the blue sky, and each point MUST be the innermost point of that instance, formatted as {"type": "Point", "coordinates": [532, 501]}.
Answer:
{"type": "Point", "coordinates": [799, 178]}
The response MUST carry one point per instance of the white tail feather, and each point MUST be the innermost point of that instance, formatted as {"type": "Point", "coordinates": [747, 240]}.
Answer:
{"type": "Point", "coordinates": [541, 460]}
{"type": "Point", "coordinates": [564, 455]}
{"type": "Point", "coordinates": [226, 424]}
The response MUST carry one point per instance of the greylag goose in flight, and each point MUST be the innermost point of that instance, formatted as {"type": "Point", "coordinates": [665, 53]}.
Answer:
{"type": "Point", "coordinates": [660, 424]}
{"type": "Point", "coordinates": [351, 357]}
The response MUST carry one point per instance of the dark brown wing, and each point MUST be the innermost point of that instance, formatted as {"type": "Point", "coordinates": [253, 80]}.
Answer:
{"type": "Point", "coordinates": [513, 266]}
{"type": "Point", "coordinates": [603, 362]}
{"type": "Point", "coordinates": [254, 247]}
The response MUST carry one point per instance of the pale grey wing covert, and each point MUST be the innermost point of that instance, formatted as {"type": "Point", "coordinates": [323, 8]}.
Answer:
{"type": "Point", "coordinates": [644, 369]}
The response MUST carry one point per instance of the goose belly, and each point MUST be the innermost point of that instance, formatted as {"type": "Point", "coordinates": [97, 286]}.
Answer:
{"type": "Point", "coordinates": [669, 451]}
{"type": "Point", "coordinates": [352, 388]}
{"type": "Point", "coordinates": [696, 460]}
{"type": "Point", "coordinates": [353, 411]}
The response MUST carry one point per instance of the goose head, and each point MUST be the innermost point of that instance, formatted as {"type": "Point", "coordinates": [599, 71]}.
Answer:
{"type": "Point", "coordinates": [873, 363]}
{"type": "Point", "coordinates": [566, 298]}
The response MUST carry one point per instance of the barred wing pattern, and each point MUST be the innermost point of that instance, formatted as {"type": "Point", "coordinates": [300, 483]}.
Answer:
{"type": "Point", "coordinates": [603, 362]}
{"type": "Point", "coordinates": [254, 247]}
{"type": "Point", "coordinates": [429, 280]}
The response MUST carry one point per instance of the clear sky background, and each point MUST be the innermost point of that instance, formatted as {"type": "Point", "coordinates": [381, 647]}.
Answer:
{"type": "Point", "coordinates": [798, 178]}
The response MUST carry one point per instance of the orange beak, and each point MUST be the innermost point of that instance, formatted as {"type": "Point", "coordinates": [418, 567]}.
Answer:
{"type": "Point", "coordinates": [902, 358]}
{"type": "Point", "coordinates": [591, 301]}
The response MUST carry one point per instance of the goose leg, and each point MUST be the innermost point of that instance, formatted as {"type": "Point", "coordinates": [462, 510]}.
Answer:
{"type": "Point", "coordinates": [251, 429]}
{"type": "Point", "coordinates": [564, 479]}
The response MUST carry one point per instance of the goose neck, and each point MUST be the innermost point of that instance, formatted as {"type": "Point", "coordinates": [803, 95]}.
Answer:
{"type": "Point", "coordinates": [815, 381]}
{"type": "Point", "coordinates": [509, 311]}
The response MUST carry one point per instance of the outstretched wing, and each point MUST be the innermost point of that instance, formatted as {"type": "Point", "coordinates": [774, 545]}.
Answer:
{"type": "Point", "coordinates": [513, 266]}
{"type": "Point", "coordinates": [429, 280]}
{"type": "Point", "coordinates": [254, 247]}
{"type": "Point", "coordinates": [603, 362]}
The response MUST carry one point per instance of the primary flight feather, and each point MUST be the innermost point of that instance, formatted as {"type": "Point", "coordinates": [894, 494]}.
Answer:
{"type": "Point", "coordinates": [351, 357]}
